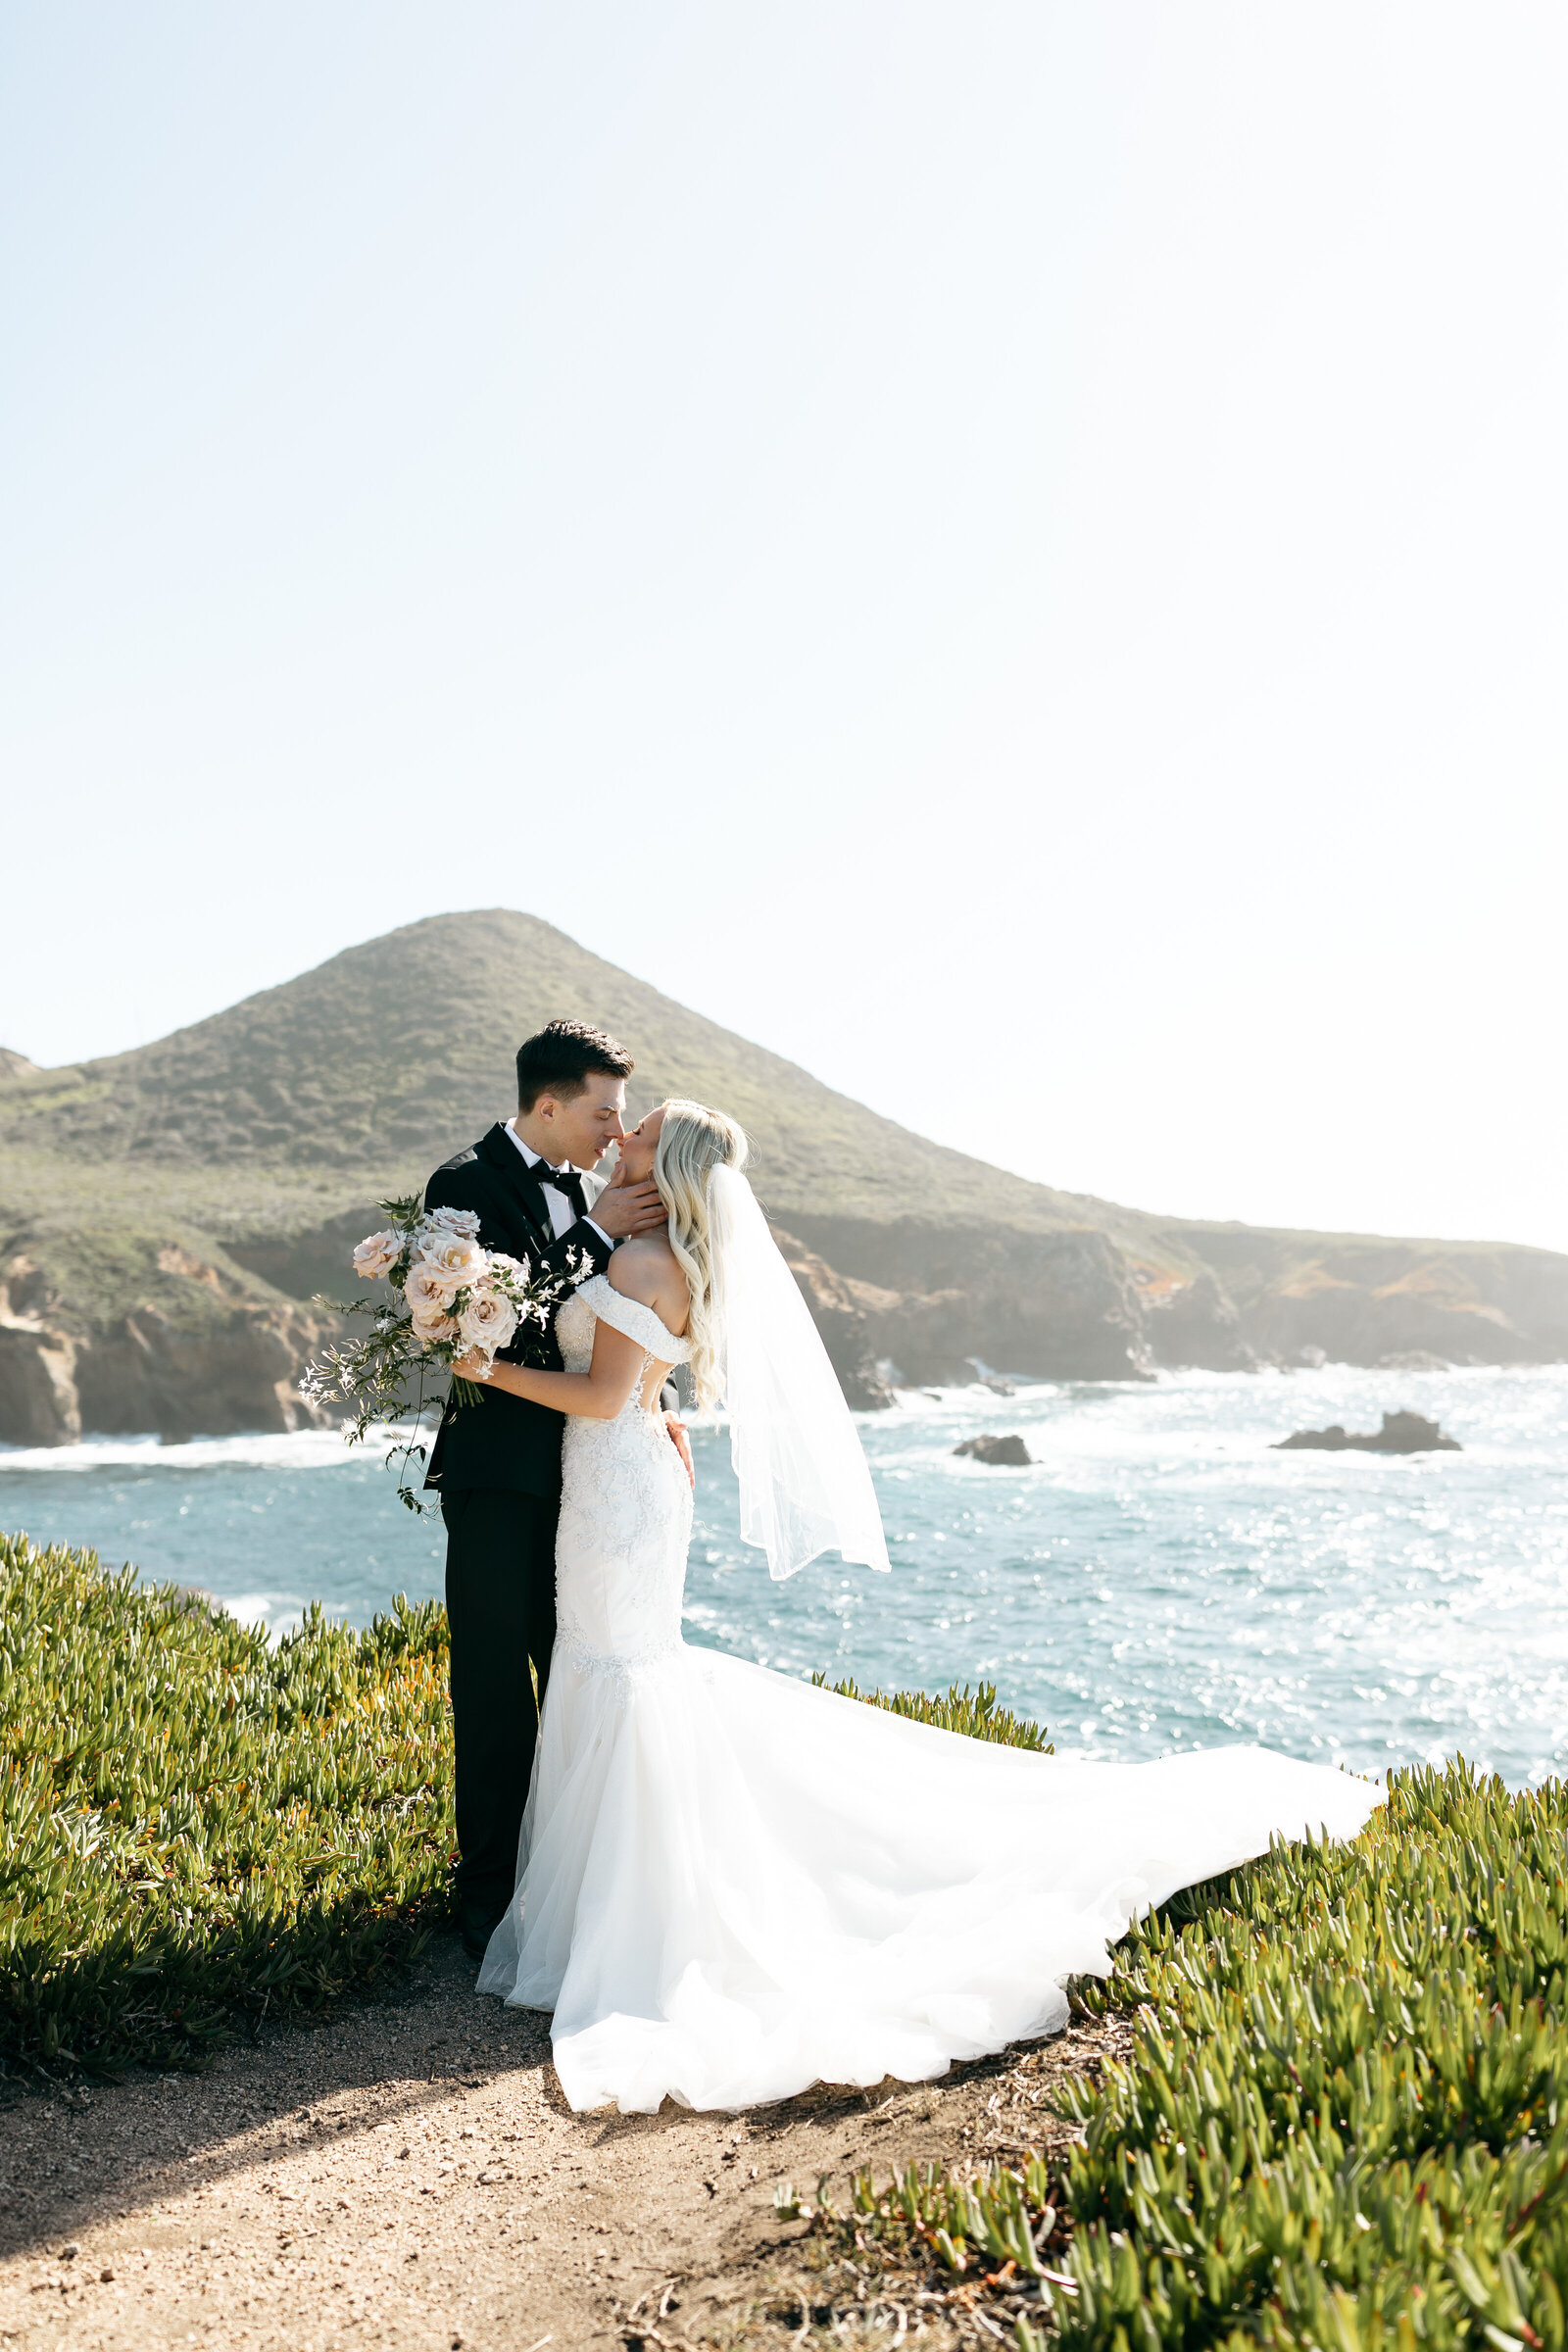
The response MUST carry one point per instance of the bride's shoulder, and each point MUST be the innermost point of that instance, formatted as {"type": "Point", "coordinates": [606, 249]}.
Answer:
{"type": "Point", "coordinates": [649, 1271]}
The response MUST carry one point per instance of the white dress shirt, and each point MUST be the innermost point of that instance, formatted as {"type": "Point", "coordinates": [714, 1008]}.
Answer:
{"type": "Point", "coordinates": [562, 1217]}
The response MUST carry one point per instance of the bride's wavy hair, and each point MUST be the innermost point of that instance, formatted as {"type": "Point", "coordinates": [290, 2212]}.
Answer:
{"type": "Point", "coordinates": [693, 1141]}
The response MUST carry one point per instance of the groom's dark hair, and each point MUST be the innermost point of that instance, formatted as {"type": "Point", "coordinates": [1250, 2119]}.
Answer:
{"type": "Point", "coordinates": [562, 1058]}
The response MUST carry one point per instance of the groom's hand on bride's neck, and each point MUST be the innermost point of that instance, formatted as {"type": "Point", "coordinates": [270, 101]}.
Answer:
{"type": "Point", "coordinates": [624, 1209]}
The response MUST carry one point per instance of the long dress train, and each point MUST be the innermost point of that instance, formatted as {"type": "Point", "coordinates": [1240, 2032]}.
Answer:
{"type": "Point", "coordinates": [733, 1885]}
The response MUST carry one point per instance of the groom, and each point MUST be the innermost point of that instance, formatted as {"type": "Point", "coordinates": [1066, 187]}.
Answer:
{"type": "Point", "coordinates": [497, 1464]}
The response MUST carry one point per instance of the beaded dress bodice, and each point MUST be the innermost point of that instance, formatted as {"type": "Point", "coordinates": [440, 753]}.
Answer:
{"type": "Point", "coordinates": [625, 1503]}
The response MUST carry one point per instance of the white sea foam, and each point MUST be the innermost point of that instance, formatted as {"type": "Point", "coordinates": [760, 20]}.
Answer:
{"type": "Point", "coordinates": [297, 1449]}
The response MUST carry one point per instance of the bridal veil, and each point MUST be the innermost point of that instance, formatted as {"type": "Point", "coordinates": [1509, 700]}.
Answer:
{"type": "Point", "coordinates": [805, 1484]}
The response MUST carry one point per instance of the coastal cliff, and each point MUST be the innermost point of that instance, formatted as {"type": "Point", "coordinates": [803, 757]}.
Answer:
{"type": "Point", "coordinates": [929, 1304]}
{"type": "Point", "coordinates": [169, 1216]}
{"type": "Point", "coordinates": [224, 1362]}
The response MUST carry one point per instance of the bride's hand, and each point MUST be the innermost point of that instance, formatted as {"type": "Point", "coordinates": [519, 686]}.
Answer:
{"type": "Point", "coordinates": [682, 1445]}
{"type": "Point", "coordinates": [475, 1366]}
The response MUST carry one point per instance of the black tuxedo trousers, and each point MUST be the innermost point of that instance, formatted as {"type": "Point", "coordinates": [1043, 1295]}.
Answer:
{"type": "Point", "coordinates": [501, 1608]}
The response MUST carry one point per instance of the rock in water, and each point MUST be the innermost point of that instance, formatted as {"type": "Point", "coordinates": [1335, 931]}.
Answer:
{"type": "Point", "coordinates": [1401, 1432]}
{"type": "Point", "coordinates": [1010, 1453]}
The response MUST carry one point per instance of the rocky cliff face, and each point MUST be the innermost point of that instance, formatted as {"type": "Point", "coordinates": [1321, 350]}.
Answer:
{"type": "Point", "coordinates": [211, 1347]}
{"type": "Point", "coordinates": [845, 1312]}
{"type": "Point", "coordinates": [1359, 1300]}
{"type": "Point", "coordinates": [232, 1366]}
{"type": "Point", "coordinates": [917, 1304]}
{"type": "Point", "coordinates": [932, 1299]}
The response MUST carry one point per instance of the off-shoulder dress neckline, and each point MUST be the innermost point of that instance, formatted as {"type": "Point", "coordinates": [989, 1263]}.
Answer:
{"type": "Point", "coordinates": [615, 1307]}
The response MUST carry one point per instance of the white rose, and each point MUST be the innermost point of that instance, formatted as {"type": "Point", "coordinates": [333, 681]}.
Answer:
{"type": "Point", "coordinates": [506, 1269]}
{"type": "Point", "coordinates": [488, 1321]}
{"type": "Point", "coordinates": [376, 1254]}
{"type": "Point", "coordinates": [455, 1221]}
{"type": "Point", "coordinates": [454, 1258]}
{"type": "Point", "coordinates": [428, 1298]}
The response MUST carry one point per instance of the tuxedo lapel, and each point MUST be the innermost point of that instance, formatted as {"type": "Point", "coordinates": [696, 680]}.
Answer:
{"type": "Point", "coordinates": [499, 1152]}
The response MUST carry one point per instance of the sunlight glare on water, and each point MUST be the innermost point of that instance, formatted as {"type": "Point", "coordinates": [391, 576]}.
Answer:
{"type": "Point", "coordinates": [1158, 1579]}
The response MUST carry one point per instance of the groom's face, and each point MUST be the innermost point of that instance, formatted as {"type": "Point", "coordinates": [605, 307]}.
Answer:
{"type": "Point", "coordinates": [582, 1127]}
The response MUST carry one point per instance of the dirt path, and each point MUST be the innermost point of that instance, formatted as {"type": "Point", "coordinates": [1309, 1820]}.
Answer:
{"type": "Point", "coordinates": [409, 2175]}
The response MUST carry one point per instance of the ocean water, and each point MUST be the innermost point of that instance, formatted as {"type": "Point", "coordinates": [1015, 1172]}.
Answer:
{"type": "Point", "coordinates": [1158, 1579]}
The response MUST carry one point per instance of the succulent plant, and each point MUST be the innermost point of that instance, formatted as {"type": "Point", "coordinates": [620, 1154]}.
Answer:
{"type": "Point", "coordinates": [1344, 2125]}
{"type": "Point", "coordinates": [198, 1827]}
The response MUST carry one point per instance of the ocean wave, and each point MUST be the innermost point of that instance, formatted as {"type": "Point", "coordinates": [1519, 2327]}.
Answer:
{"type": "Point", "coordinates": [297, 1449]}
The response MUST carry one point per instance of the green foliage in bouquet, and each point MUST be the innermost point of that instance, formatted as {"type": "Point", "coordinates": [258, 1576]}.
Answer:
{"type": "Point", "coordinates": [198, 1828]}
{"type": "Point", "coordinates": [450, 1301]}
{"type": "Point", "coordinates": [1344, 2126]}
{"type": "Point", "coordinates": [974, 1714]}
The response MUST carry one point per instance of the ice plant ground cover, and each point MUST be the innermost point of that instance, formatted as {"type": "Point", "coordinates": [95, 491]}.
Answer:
{"type": "Point", "coordinates": [976, 1716]}
{"type": "Point", "coordinates": [199, 1828]}
{"type": "Point", "coordinates": [1344, 2124]}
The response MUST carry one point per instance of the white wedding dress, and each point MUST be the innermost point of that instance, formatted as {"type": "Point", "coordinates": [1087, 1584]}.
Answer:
{"type": "Point", "coordinates": [733, 1885]}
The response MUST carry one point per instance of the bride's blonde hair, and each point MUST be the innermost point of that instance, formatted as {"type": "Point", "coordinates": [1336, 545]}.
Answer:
{"type": "Point", "coordinates": [693, 1141]}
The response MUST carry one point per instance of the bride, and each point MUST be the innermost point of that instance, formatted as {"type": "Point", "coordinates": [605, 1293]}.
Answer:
{"type": "Point", "coordinates": [732, 1884]}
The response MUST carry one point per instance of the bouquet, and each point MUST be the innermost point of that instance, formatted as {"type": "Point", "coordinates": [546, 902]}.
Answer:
{"type": "Point", "coordinates": [453, 1298]}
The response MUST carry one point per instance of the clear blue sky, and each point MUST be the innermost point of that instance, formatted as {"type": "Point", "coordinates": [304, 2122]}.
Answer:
{"type": "Point", "coordinates": [1015, 553]}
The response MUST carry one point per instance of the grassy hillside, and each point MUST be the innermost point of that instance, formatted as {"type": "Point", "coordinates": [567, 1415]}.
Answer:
{"type": "Point", "coordinates": [391, 1053]}
{"type": "Point", "coordinates": [211, 1181]}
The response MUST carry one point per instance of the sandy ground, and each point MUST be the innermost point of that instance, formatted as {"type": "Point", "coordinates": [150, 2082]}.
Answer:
{"type": "Point", "coordinates": [409, 2174]}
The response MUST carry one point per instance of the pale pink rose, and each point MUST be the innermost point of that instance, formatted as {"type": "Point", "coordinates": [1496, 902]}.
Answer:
{"type": "Point", "coordinates": [455, 1221]}
{"type": "Point", "coordinates": [429, 1296]}
{"type": "Point", "coordinates": [488, 1321]}
{"type": "Point", "coordinates": [434, 1334]}
{"type": "Point", "coordinates": [453, 1257]}
{"type": "Point", "coordinates": [376, 1254]}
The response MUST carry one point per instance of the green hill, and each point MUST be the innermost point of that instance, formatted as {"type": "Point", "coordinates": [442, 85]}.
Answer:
{"type": "Point", "coordinates": [385, 1056]}
{"type": "Point", "coordinates": [166, 1215]}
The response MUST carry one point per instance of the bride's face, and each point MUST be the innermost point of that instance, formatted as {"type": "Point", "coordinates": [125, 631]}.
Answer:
{"type": "Point", "coordinates": [637, 1149]}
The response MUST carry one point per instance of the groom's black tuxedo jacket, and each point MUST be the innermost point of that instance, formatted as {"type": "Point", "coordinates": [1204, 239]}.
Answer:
{"type": "Point", "coordinates": [503, 1441]}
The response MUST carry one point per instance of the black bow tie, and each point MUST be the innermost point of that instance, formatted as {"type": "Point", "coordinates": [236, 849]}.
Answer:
{"type": "Point", "coordinates": [566, 1180]}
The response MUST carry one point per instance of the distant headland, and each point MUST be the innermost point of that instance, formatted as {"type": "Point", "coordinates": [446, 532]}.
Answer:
{"type": "Point", "coordinates": [168, 1215]}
